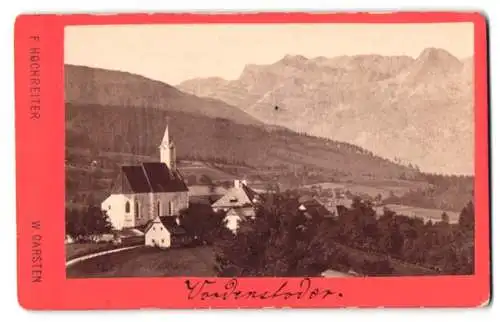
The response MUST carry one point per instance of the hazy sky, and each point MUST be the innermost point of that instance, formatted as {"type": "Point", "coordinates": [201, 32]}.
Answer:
{"type": "Point", "coordinates": [174, 53]}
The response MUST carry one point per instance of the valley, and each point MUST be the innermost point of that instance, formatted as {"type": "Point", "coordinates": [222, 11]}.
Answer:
{"type": "Point", "coordinates": [115, 118]}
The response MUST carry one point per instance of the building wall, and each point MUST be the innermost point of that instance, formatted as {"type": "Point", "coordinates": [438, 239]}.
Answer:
{"type": "Point", "coordinates": [114, 206]}
{"type": "Point", "coordinates": [234, 217]}
{"type": "Point", "coordinates": [158, 236]}
{"type": "Point", "coordinates": [148, 205]}
{"type": "Point", "coordinates": [232, 222]}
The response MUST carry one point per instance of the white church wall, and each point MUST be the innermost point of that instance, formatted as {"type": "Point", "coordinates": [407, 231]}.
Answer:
{"type": "Point", "coordinates": [115, 206]}
{"type": "Point", "coordinates": [171, 203]}
{"type": "Point", "coordinates": [143, 211]}
{"type": "Point", "coordinates": [148, 205]}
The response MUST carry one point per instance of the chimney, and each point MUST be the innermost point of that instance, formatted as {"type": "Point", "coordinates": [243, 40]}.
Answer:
{"type": "Point", "coordinates": [237, 183]}
{"type": "Point", "coordinates": [177, 221]}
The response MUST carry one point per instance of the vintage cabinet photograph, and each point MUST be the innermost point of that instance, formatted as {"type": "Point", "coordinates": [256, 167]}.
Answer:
{"type": "Point", "coordinates": [269, 150]}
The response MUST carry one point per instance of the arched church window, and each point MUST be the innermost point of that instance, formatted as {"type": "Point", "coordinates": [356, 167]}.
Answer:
{"type": "Point", "coordinates": [158, 208]}
{"type": "Point", "coordinates": [136, 210]}
{"type": "Point", "coordinates": [127, 207]}
{"type": "Point", "coordinates": [170, 208]}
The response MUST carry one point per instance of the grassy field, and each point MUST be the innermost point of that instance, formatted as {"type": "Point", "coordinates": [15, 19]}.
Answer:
{"type": "Point", "coordinates": [148, 262]}
{"type": "Point", "coordinates": [400, 268]}
{"type": "Point", "coordinates": [200, 190]}
{"type": "Point", "coordinates": [375, 187]}
{"type": "Point", "coordinates": [196, 261]}
{"type": "Point", "coordinates": [81, 249]}
{"type": "Point", "coordinates": [427, 214]}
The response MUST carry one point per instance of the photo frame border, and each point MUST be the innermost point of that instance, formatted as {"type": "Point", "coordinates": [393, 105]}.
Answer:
{"type": "Point", "coordinates": [40, 187]}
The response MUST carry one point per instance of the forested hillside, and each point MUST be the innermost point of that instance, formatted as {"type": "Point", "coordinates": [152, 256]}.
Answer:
{"type": "Point", "coordinates": [139, 131]}
{"type": "Point", "coordinates": [87, 86]}
{"type": "Point", "coordinates": [115, 117]}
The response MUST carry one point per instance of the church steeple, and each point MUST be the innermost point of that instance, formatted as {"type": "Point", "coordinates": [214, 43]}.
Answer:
{"type": "Point", "coordinates": [167, 150]}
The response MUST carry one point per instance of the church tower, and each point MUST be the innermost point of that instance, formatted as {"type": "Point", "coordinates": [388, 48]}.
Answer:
{"type": "Point", "coordinates": [167, 150]}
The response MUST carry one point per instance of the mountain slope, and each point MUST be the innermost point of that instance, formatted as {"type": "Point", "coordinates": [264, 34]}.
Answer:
{"type": "Point", "coordinates": [94, 86]}
{"type": "Point", "coordinates": [111, 111]}
{"type": "Point", "coordinates": [136, 130]}
{"type": "Point", "coordinates": [417, 110]}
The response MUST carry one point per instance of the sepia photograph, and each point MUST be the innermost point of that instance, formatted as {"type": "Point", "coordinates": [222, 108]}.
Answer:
{"type": "Point", "coordinates": [328, 150]}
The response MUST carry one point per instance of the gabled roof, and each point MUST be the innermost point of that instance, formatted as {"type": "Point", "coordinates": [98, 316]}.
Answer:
{"type": "Point", "coordinates": [313, 206]}
{"type": "Point", "coordinates": [169, 222]}
{"type": "Point", "coordinates": [149, 177]}
{"type": "Point", "coordinates": [162, 179]}
{"type": "Point", "coordinates": [249, 192]}
{"type": "Point", "coordinates": [236, 197]}
{"type": "Point", "coordinates": [136, 178]}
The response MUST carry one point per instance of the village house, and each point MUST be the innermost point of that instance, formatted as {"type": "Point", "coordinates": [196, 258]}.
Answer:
{"type": "Point", "coordinates": [313, 208]}
{"type": "Point", "coordinates": [238, 203]}
{"type": "Point", "coordinates": [166, 232]}
{"type": "Point", "coordinates": [148, 190]}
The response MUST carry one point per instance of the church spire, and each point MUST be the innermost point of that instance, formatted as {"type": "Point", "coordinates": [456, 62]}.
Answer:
{"type": "Point", "coordinates": [166, 137]}
{"type": "Point", "coordinates": [167, 150]}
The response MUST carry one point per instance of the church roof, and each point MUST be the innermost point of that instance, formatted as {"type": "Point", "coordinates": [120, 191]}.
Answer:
{"type": "Point", "coordinates": [149, 177]}
{"type": "Point", "coordinates": [136, 179]}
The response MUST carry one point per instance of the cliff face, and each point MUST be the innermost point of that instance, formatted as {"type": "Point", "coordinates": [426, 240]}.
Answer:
{"type": "Point", "coordinates": [417, 110]}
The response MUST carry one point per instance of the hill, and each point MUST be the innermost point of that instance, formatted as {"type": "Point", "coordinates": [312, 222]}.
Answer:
{"type": "Point", "coordinates": [94, 86]}
{"type": "Point", "coordinates": [220, 146]}
{"type": "Point", "coordinates": [138, 131]}
{"type": "Point", "coordinates": [385, 104]}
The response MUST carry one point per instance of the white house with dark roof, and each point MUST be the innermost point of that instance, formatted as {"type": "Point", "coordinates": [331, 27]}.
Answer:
{"type": "Point", "coordinates": [165, 232]}
{"type": "Point", "coordinates": [148, 190]}
{"type": "Point", "coordinates": [238, 203]}
{"type": "Point", "coordinates": [312, 207]}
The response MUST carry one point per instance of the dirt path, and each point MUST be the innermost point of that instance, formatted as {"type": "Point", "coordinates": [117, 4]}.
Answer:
{"type": "Point", "coordinates": [89, 256]}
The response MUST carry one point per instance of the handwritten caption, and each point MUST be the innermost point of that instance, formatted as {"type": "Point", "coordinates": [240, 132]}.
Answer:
{"type": "Point", "coordinates": [211, 289]}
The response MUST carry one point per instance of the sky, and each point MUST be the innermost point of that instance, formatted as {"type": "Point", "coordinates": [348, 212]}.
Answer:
{"type": "Point", "coordinates": [175, 53]}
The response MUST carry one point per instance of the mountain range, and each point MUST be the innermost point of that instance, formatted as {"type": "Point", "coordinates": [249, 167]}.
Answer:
{"type": "Point", "coordinates": [113, 112]}
{"type": "Point", "coordinates": [415, 110]}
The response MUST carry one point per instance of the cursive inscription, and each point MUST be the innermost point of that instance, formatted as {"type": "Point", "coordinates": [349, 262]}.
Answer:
{"type": "Point", "coordinates": [211, 289]}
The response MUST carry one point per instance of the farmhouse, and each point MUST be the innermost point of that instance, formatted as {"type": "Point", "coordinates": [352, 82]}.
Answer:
{"type": "Point", "coordinates": [148, 190]}
{"type": "Point", "coordinates": [238, 203]}
{"type": "Point", "coordinates": [314, 208]}
{"type": "Point", "coordinates": [165, 232]}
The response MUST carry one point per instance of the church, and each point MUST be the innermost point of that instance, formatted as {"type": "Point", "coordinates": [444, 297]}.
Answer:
{"type": "Point", "coordinates": [148, 190]}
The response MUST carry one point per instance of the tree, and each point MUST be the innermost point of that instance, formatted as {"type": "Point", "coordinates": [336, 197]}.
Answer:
{"type": "Point", "coordinates": [191, 179]}
{"type": "Point", "coordinates": [206, 180]}
{"type": "Point", "coordinates": [96, 221]}
{"type": "Point", "coordinates": [201, 222]}
{"type": "Point", "coordinates": [445, 218]}
{"type": "Point", "coordinates": [82, 224]}
{"type": "Point", "coordinates": [72, 222]}
{"type": "Point", "coordinates": [466, 219]}
{"type": "Point", "coordinates": [279, 241]}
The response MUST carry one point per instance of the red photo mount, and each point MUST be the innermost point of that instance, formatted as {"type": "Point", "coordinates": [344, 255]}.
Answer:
{"type": "Point", "coordinates": [40, 153]}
